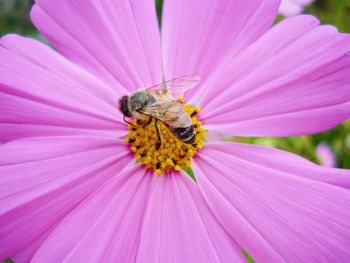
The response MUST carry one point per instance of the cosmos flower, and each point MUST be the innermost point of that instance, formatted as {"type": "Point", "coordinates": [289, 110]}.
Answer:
{"type": "Point", "coordinates": [293, 7]}
{"type": "Point", "coordinates": [70, 187]}
{"type": "Point", "coordinates": [325, 155]}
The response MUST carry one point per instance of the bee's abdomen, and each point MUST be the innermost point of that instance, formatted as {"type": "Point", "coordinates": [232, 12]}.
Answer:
{"type": "Point", "coordinates": [187, 135]}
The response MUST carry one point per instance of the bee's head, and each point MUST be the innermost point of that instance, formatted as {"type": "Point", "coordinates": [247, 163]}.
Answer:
{"type": "Point", "coordinates": [123, 106]}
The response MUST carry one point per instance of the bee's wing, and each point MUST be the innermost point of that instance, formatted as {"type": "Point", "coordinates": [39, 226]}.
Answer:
{"type": "Point", "coordinates": [168, 111]}
{"type": "Point", "coordinates": [175, 88]}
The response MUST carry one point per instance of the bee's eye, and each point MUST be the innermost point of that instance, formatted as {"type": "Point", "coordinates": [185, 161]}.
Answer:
{"type": "Point", "coordinates": [124, 106]}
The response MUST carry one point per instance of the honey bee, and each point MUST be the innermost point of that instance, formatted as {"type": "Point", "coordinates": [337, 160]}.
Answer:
{"type": "Point", "coordinates": [161, 103]}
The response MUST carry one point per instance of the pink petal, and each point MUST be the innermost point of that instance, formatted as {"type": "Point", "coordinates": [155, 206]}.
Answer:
{"type": "Point", "coordinates": [212, 136]}
{"type": "Point", "coordinates": [116, 40]}
{"type": "Point", "coordinates": [12, 131]}
{"type": "Point", "coordinates": [43, 148]}
{"type": "Point", "coordinates": [43, 179]}
{"type": "Point", "coordinates": [290, 8]}
{"type": "Point", "coordinates": [26, 254]}
{"type": "Point", "coordinates": [178, 227]}
{"type": "Point", "coordinates": [114, 223]}
{"type": "Point", "coordinates": [286, 162]}
{"type": "Point", "coordinates": [303, 2]}
{"type": "Point", "coordinates": [40, 87]}
{"type": "Point", "coordinates": [292, 81]}
{"type": "Point", "coordinates": [106, 226]}
{"type": "Point", "coordinates": [277, 212]}
{"type": "Point", "coordinates": [200, 37]}
{"type": "Point", "coordinates": [293, 7]}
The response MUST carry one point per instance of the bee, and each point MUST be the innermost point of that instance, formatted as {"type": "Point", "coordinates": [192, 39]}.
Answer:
{"type": "Point", "coordinates": [160, 102]}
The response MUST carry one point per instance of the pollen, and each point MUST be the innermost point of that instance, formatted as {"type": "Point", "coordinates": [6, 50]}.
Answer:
{"type": "Point", "coordinates": [173, 154]}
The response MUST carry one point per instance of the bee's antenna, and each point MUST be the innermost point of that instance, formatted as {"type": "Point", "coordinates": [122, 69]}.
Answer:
{"type": "Point", "coordinates": [128, 121]}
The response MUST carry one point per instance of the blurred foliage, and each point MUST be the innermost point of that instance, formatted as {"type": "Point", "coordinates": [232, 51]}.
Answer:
{"type": "Point", "coordinates": [335, 12]}
{"type": "Point", "coordinates": [159, 6]}
{"type": "Point", "coordinates": [14, 17]}
{"type": "Point", "coordinates": [248, 257]}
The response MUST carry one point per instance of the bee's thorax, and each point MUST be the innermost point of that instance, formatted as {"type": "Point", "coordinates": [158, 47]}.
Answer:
{"type": "Point", "coordinates": [138, 100]}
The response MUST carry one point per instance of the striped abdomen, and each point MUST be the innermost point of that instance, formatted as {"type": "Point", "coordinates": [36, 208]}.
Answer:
{"type": "Point", "coordinates": [187, 135]}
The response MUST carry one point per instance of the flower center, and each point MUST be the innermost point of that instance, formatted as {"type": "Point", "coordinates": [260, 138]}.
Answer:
{"type": "Point", "coordinates": [172, 153]}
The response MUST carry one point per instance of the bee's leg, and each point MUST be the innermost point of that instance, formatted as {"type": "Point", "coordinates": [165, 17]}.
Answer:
{"type": "Point", "coordinates": [128, 121]}
{"type": "Point", "coordinates": [145, 124]}
{"type": "Point", "coordinates": [159, 141]}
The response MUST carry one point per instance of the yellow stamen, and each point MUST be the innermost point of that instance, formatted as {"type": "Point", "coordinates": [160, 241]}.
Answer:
{"type": "Point", "coordinates": [173, 153]}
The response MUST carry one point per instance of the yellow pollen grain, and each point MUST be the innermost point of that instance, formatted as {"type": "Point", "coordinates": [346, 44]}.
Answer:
{"type": "Point", "coordinates": [173, 154]}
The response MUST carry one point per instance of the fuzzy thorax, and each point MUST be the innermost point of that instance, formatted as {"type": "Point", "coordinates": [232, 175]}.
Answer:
{"type": "Point", "coordinates": [173, 153]}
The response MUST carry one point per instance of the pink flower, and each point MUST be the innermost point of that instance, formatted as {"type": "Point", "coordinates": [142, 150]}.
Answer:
{"type": "Point", "coordinates": [69, 187]}
{"type": "Point", "coordinates": [325, 155]}
{"type": "Point", "coordinates": [293, 7]}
